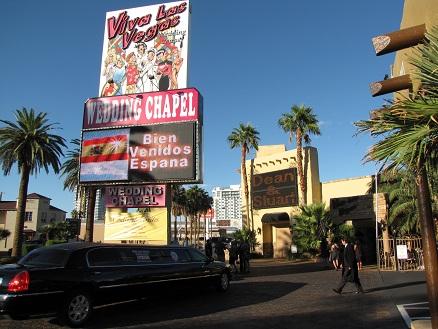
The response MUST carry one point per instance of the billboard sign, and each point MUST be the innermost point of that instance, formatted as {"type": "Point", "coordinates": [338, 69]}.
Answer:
{"type": "Point", "coordinates": [142, 154]}
{"type": "Point", "coordinates": [142, 109]}
{"type": "Point", "coordinates": [135, 196]}
{"type": "Point", "coordinates": [135, 227]}
{"type": "Point", "coordinates": [145, 49]}
{"type": "Point", "coordinates": [275, 189]}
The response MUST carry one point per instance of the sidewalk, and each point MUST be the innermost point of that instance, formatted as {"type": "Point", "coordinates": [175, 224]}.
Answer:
{"type": "Point", "coordinates": [383, 306]}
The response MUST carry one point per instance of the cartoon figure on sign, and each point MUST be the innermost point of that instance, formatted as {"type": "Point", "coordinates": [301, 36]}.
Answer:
{"type": "Point", "coordinates": [164, 70]}
{"type": "Point", "coordinates": [110, 88]}
{"type": "Point", "coordinates": [109, 64]}
{"type": "Point", "coordinates": [119, 74]}
{"type": "Point", "coordinates": [177, 63]}
{"type": "Point", "coordinates": [147, 80]}
{"type": "Point", "coordinates": [141, 54]}
{"type": "Point", "coordinates": [131, 74]}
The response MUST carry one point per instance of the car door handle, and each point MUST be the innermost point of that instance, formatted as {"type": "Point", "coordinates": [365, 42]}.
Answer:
{"type": "Point", "coordinates": [96, 273]}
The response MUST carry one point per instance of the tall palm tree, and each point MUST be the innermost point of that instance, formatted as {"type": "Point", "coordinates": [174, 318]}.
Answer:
{"type": "Point", "coordinates": [29, 143]}
{"type": "Point", "coordinates": [197, 203]}
{"type": "Point", "coordinates": [246, 137]}
{"type": "Point", "coordinates": [300, 122]}
{"type": "Point", "coordinates": [178, 204]}
{"type": "Point", "coordinates": [206, 204]}
{"type": "Point", "coordinates": [409, 127]}
{"type": "Point", "coordinates": [70, 169]}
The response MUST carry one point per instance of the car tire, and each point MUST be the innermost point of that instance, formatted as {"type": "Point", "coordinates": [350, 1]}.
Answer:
{"type": "Point", "coordinates": [19, 316]}
{"type": "Point", "coordinates": [77, 308]}
{"type": "Point", "coordinates": [223, 283]}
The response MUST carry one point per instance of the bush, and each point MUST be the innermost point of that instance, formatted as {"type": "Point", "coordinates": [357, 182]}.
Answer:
{"type": "Point", "coordinates": [255, 255]}
{"type": "Point", "coordinates": [27, 248]}
{"type": "Point", "coordinates": [52, 242]}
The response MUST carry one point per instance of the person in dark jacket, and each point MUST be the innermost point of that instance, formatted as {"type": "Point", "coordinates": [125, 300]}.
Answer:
{"type": "Point", "coordinates": [349, 269]}
{"type": "Point", "coordinates": [208, 248]}
{"type": "Point", "coordinates": [244, 255]}
{"type": "Point", "coordinates": [234, 254]}
{"type": "Point", "coordinates": [220, 250]}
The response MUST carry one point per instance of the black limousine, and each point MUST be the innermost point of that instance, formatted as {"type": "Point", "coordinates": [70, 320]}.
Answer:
{"type": "Point", "coordinates": [72, 278]}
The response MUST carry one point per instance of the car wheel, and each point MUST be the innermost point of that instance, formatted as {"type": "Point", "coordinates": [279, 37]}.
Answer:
{"type": "Point", "coordinates": [77, 308]}
{"type": "Point", "coordinates": [223, 283]}
{"type": "Point", "coordinates": [19, 316]}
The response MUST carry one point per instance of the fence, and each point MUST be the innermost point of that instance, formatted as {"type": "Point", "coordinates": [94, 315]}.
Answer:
{"type": "Point", "coordinates": [402, 254]}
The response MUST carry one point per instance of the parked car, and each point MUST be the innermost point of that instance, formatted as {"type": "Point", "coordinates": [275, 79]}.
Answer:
{"type": "Point", "coordinates": [72, 278]}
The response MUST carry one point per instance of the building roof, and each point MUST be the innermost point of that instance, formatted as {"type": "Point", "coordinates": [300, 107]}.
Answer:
{"type": "Point", "coordinates": [8, 205]}
{"type": "Point", "coordinates": [37, 196]}
{"type": "Point", "coordinates": [54, 208]}
{"type": "Point", "coordinates": [12, 205]}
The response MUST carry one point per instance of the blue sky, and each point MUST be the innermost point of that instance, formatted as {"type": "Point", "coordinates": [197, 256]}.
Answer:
{"type": "Point", "coordinates": [251, 61]}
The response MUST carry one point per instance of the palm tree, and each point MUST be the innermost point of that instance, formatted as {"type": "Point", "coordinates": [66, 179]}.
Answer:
{"type": "Point", "coordinates": [409, 127]}
{"type": "Point", "coordinates": [178, 204]}
{"type": "Point", "coordinates": [70, 169]}
{"type": "Point", "coordinates": [197, 203]}
{"type": "Point", "coordinates": [312, 226]}
{"type": "Point", "coordinates": [301, 122]}
{"type": "Point", "coordinates": [246, 137]}
{"type": "Point", "coordinates": [29, 143]}
{"type": "Point", "coordinates": [402, 210]}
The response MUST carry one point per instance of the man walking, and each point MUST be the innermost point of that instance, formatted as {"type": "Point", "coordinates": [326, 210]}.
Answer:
{"type": "Point", "coordinates": [350, 272]}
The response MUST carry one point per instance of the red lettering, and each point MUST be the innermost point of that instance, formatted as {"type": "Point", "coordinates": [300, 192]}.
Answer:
{"type": "Point", "coordinates": [132, 23]}
{"type": "Point", "coordinates": [117, 26]}
{"type": "Point", "coordinates": [128, 37]}
{"type": "Point", "coordinates": [144, 20]}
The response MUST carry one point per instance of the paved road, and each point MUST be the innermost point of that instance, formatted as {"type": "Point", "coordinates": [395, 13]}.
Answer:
{"type": "Point", "coordinates": [276, 294]}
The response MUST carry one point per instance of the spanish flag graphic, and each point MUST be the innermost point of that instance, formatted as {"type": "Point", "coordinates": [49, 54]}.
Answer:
{"type": "Point", "coordinates": [104, 155]}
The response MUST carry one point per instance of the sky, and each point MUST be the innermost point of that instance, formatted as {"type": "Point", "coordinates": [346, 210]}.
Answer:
{"type": "Point", "coordinates": [250, 60]}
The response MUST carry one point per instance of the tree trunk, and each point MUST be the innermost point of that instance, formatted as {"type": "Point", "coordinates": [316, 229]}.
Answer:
{"type": "Point", "coordinates": [185, 232]}
{"type": "Point", "coordinates": [429, 242]}
{"type": "Point", "coordinates": [89, 226]}
{"type": "Point", "coordinates": [245, 184]}
{"type": "Point", "coordinates": [303, 199]}
{"type": "Point", "coordinates": [17, 245]}
{"type": "Point", "coordinates": [175, 227]}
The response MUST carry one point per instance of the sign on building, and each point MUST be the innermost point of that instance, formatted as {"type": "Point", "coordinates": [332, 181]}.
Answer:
{"type": "Point", "coordinates": [145, 49]}
{"type": "Point", "coordinates": [275, 189]}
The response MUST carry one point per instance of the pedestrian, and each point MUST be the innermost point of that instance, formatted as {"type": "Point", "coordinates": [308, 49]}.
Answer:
{"type": "Point", "coordinates": [220, 250]}
{"type": "Point", "coordinates": [234, 254]}
{"type": "Point", "coordinates": [208, 249]}
{"type": "Point", "coordinates": [349, 269]}
{"type": "Point", "coordinates": [186, 242]}
{"type": "Point", "coordinates": [334, 256]}
{"type": "Point", "coordinates": [244, 255]}
{"type": "Point", "coordinates": [358, 254]}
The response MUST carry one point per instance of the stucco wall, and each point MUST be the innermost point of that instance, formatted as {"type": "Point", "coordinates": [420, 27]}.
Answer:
{"type": "Point", "coordinates": [415, 12]}
{"type": "Point", "coordinates": [345, 187]}
{"type": "Point", "coordinates": [271, 158]}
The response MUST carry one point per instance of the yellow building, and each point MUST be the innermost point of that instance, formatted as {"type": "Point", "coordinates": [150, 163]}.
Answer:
{"type": "Point", "coordinates": [39, 213]}
{"type": "Point", "coordinates": [274, 193]}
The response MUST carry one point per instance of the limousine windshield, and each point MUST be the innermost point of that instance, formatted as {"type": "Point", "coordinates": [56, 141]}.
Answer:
{"type": "Point", "coordinates": [43, 257]}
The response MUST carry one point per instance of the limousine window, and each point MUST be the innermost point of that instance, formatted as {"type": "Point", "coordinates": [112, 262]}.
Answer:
{"type": "Point", "coordinates": [197, 256]}
{"type": "Point", "coordinates": [45, 258]}
{"type": "Point", "coordinates": [104, 257]}
{"type": "Point", "coordinates": [161, 256]}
